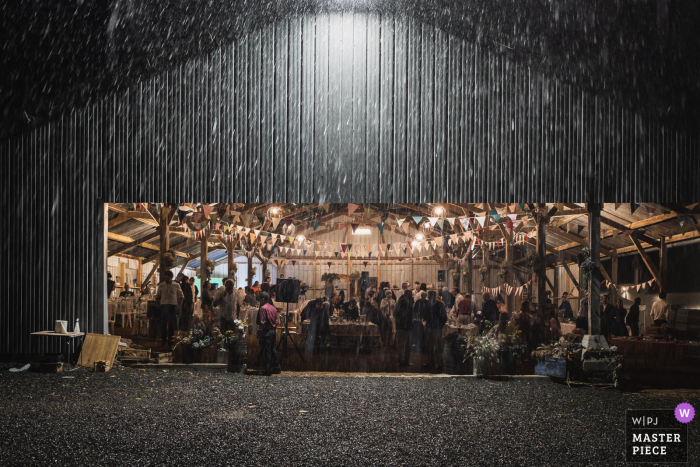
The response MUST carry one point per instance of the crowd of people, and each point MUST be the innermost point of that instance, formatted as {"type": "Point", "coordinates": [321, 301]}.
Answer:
{"type": "Point", "coordinates": [415, 317]}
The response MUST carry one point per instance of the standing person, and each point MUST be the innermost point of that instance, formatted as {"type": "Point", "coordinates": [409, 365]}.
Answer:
{"type": "Point", "coordinates": [554, 325]}
{"type": "Point", "coordinates": [267, 333]}
{"type": "Point", "coordinates": [195, 288]}
{"type": "Point", "coordinates": [187, 304]}
{"type": "Point", "coordinates": [207, 302]}
{"type": "Point", "coordinates": [418, 332]}
{"type": "Point", "coordinates": [127, 292]}
{"type": "Point", "coordinates": [250, 298]}
{"type": "Point", "coordinates": [381, 292]}
{"type": "Point", "coordinates": [464, 310]}
{"type": "Point", "coordinates": [458, 297]}
{"type": "Point", "coordinates": [318, 325]}
{"type": "Point", "coordinates": [489, 310]}
{"type": "Point", "coordinates": [352, 312]}
{"type": "Point", "coordinates": [168, 300]}
{"type": "Point", "coordinates": [111, 285]}
{"type": "Point", "coordinates": [330, 288]}
{"type": "Point", "coordinates": [524, 326]}
{"type": "Point", "coordinates": [565, 306]}
{"type": "Point", "coordinates": [387, 306]}
{"type": "Point", "coordinates": [416, 291]}
{"type": "Point", "coordinates": [256, 287]}
{"type": "Point", "coordinates": [375, 315]}
{"type": "Point", "coordinates": [608, 312]}
{"type": "Point", "coordinates": [633, 317]}
{"type": "Point", "coordinates": [403, 316]}
{"type": "Point", "coordinates": [227, 301]}
{"type": "Point", "coordinates": [660, 309]}
{"type": "Point", "coordinates": [582, 318]}
{"type": "Point", "coordinates": [447, 298]}
{"type": "Point", "coordinates": [435, 318]}
{"type": "Point", "coordinates": [619, 328]}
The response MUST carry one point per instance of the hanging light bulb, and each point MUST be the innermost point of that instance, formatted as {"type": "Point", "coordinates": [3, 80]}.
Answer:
{"type": "Point", "coordinates": [438, 211]}
{"type": "Point", "coordinates": [420, 237]}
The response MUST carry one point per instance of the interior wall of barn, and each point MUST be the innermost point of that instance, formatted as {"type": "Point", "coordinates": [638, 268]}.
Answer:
{"type": "Point", "coordinates": [331, 107]}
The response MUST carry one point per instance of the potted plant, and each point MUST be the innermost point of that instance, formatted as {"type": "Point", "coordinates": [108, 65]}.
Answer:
{"type": "Point", "coordinates": [509, 349]}
{"type": "Point", "coordinates": [234, 341]}
{"type": "Point", "coordinates": [485, 355]}
{"type": "Point", "coordinates": [168, 259]}
{"type": "Point", "coordinates": [453, 355]}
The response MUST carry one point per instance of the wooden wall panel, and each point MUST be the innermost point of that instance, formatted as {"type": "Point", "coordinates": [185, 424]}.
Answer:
{"type": "Point", "coordinates": [338, 107]}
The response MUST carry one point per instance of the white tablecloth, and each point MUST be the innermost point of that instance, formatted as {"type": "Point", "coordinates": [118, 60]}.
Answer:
{"type": "Point", "coordinates": [567, 327]}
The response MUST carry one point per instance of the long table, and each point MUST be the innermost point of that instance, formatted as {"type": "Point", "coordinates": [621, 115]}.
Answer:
{"type": "Point", "coordinates": [347, 329]}
{"type": "Point", "coordinates": [631, 347]}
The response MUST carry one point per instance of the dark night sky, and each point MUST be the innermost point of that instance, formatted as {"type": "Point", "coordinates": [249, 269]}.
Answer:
{"type": "Point", "coordinates": [56, 54]}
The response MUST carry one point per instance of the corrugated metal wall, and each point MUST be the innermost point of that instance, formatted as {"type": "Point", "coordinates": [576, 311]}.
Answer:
{"type": "Point", "coordinates": [336, 107]}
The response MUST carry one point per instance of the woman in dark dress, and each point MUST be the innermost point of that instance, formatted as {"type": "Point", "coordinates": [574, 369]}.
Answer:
{"type": "Point", "coordinates": [352, 312]}
{"type": "Point", "coordinates": [420, 309]}
{"type": "Point", "coordinates": [619, 328]}
{"type": "Point", "coordinates": [633, 317]}
{"type": "Point", "coordinates": [524, 326]}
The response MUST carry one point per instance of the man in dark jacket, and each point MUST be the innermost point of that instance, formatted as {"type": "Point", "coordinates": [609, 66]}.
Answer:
{"type": "Point", "coordinates": [608, 313]}
{"type": "Point", "coordinates": [403, 317]}
{"type": "Point", "coordinates": [633, 317]}
{"type": "Point", "coordinates": [435, 318]}
{"type": "Point", "coordinates": [420, 308]}
{"type": "Point", "coordinates": [447, 298]}
{"type": "Point", "coordinates": [489, 310]}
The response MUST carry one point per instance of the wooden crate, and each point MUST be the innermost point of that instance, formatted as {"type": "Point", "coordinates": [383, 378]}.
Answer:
{"type": "Point", "coordinates": [209, 355]}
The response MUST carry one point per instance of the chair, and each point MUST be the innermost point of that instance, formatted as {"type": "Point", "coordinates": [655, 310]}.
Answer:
{"type": "Point", "coordinates": [111, 315]}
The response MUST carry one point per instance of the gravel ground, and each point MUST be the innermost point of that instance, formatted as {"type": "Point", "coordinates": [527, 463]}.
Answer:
{"type": "Point", "coordinates": [157, 417]}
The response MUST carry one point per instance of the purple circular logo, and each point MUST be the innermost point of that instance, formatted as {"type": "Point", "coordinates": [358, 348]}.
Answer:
{"type": "Point", "coordinates": [684, 412]}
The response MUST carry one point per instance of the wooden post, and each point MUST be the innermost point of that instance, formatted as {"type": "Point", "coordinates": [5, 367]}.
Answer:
{"type": "Point", "coordinates": [510, 300]}
{"type": "Point", "coordinates": [164, 242]}
{"type": "Point", "coordinates": [314, 292]}
{"type": "Point", "coordinates": [139, 274]}
{"type": "Point", "coordinates": [379, 264]}
{"type": "Point", "coordinates": [230, 260]}
{"type": "Point", "coordinates": [663, 263]}
{"type": "Point", "coordinates": [469, 281]}
{"type": "Point", "coordinates": [613, 279]}
{"type": "Point", "coordinates": [485, 262]}
{"type": "Point", "coordinates": [594, 318]}
{"type": "Point", "coordinates": [250, 267]}
{"type": "Point", "coordinates": [203, 257]}
{"type": "Point", "coordinates": [542, 253]}
{"type": "Point", "coordinates": [122, 272]}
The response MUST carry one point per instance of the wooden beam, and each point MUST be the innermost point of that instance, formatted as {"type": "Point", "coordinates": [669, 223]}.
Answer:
{"type": "Point", "coordinates": [569, 273]}
{"type": "Point", "coordinates": [575, 238]}
{"type": "Point", "coordinates": [694, 235]}
{"type": "Point", "coordinates": [150, 274]}
{"type": "Point", "coordinates": [622, 228]}
{"type": "Point", "coordinates": [663, 260]}
{"type": "Point", "coordinates": [542, 253]}
{"type": "Point", "coordinates": [650, 266]}
{"type": "Point", "coordinates": [133, 243]}
{"type": "Point", "coordinates": [119, 238]}
{"type": "Point", "coordinates": [652, 221]}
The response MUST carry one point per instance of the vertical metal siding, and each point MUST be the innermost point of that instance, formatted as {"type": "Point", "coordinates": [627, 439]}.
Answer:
{"type": "Point", "coordinates": [342, 107]}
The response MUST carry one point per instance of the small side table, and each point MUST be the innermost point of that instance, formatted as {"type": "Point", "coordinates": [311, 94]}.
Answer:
{"type": "Point", "coordinates": [68, 336]}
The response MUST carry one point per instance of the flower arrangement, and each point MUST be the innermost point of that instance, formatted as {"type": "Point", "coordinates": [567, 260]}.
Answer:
{"type": "Point", "coordinates": [483, 270]}
{"type": "Point", "coordinates": [254, 270]}
{"type": "Point", "coordinates": [210, 265]}
{"type": "Point", "coordinates": [505, 267]}
{"type": "Point", "coordinates": [233, 335]}
{"type": "Point", "coordinates": [533, 261]}
{"type": "Point", "coordinates": [330, 278]}
{"type": "Point", "coordinates": [266, 273]}
{"type": "Point", "coordinates": [168, 259]}
{"type": "Point", "coordinates": [586, 265]}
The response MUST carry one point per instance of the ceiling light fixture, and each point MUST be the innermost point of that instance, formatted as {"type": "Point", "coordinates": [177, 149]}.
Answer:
{"type": "Point", "coordinates": [362, 231]}
{"type": "Point", "coordinates": [420, 237]}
